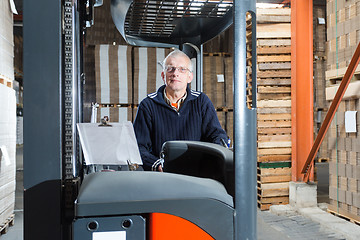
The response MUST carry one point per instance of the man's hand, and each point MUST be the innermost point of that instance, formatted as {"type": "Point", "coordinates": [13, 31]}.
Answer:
{"type": "Point", "coordinates": [160, 169]}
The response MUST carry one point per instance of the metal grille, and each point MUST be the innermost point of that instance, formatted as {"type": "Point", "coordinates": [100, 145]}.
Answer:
{"type": "Point", "coordinates": [147, 18]}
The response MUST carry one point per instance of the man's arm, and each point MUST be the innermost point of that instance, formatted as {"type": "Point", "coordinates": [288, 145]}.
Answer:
{"type": "Point", "coordinates": [211, 128]}
{"type": "Point", "coordinates": [143, 127]}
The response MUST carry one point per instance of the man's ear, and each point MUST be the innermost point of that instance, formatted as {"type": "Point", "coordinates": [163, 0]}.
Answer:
{"type": "Point", "coordinates": [163, 76]}
{"type": "Point", "coordinates": [191, 76]}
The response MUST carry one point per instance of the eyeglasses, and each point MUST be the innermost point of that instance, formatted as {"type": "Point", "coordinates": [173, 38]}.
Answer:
{"type": "Point", "coordinates": [171, 69]}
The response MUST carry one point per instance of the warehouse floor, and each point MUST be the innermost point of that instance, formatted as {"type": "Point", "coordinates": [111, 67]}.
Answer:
{"type": "Point", "coordinates": [290, 225]}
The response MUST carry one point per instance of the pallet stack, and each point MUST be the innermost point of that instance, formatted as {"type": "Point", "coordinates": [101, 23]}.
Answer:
{"type": "Point", "coordinates": [319, 49]}
{"type": "Point", "coordinates": [214, 83]}
{"type": "Point", "coordinates": [273, 101]}
{"type": "Point", "coordinates": [124, 76]}
{"type": "Point", "coordinates": [343, 35]}
{"type": "Point", "coordinates": [217, 85]}
{"type": "Point", "coordinates": [113, 76]}
{"type": "Point", "coordinates": [7, 152]}
{"type": "Point", "coordinates": [344, 165]}
{"type": "Point", "coordinates": [7, 115]}
{"type": "Point", "coordinates": [343, 32]}
{"type": "Point", "coordinates": [274, 106]}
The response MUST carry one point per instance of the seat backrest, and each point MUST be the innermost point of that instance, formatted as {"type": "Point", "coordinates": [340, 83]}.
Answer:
{"type": "Point", "coordinates": [200, 159]}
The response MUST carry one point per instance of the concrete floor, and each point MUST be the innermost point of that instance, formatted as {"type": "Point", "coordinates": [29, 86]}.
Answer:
{"type": "Point", "coordinates": [270, 225]}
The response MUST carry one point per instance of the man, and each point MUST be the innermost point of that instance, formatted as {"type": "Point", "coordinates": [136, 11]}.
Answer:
{"type": "Point", "coordinates": [175, 112]}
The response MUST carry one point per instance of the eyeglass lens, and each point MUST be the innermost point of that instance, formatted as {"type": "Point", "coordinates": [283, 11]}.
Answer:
{"type": "Point", "coordinates": [171, 69]}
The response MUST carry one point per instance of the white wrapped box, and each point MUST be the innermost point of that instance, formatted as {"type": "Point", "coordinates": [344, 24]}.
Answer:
{"type": "Point", "coordinates": [7, 151]}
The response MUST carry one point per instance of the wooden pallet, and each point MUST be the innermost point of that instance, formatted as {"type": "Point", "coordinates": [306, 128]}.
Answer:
{"type": "Point", "coordinates": [273, 189]}
{"type": "Point", "coordinates": [264, 203]}
{"type": "Point", "coordinates": [344, 216]}
{"type": "Point", "coordinates": [6, 82]}
{"type": "Point", "coordinates": [273, 175]}
{"type": "Point", "coordinates": [8, 223]}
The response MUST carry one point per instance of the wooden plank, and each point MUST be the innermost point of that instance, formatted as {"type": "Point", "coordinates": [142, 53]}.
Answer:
{"type": "Point", "coordinates": [274, 175]}
{"type": "Point", "coordinates": [273, 50]}
{"type": "Point", "coordinates": [274, 151]}
{"type": "Point", "coordinates": [278, 116]}
{"type": "Point", "coordinates": [268, 186]}
{"type": "Point", "coordinates": [277, 30]}
{"type": "Point", "coordinates": [274, 171]}
{"type": "Point", "coordinates": [264, 203]}
{"type": "Point", "coordinates": [274, 179]}
{"type": "Point", "coordinates": [273, 58]}
{"type": "Point", "coordinates": [339, 73]}
{"type": "Point", "coordinates": [273, 96]}
{"type": "Point", "coordinates": [273, 11]}
{"type": "Point", "coordinates": [273, 138]}
{"type": "Point", "coordinates": [273, 42]}
{"type": "Point", "coordinates": [274, 74]}
{"type": "Point", "coordinates": [274, 158]}
{"type": "Point", "coordinates": [274, 103]}
{"type": "Point", "coordinates": [274, 89]}
{"type": "Point", "coordinates": [274, 144]}
{"type": "Point", "coordinates": [274, 66]}
{"type": "Point", "coordinates": [273, 200]}
{"type": "Point", "coordinates": [274, 124]}
{"type": "Point", "coordinates": [273, 189]}
{"type": "Point", "coordinates": [274, 110]}
{"type": "Point", "coordinates": [9, 221]}
{"type": "Point", "coordinates": [273, 131]}
{"type": "Point", "coordinates": [273, 81]}
{"type": "Point", "coordinates": [273, 19]}
{"type": "Point", "coordinates": [352, 91]}
{"type": "Point", "coordinates": [343, 213]}
{"type": "Point", "coordinates": [264, 206]}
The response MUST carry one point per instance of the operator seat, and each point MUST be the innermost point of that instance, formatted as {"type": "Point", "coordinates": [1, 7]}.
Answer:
{"type": "Point", "coordinates": [200, 159]}
{"type": "Point", "coordinates": [125, 202]}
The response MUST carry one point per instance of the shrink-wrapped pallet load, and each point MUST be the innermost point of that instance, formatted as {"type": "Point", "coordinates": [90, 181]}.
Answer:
{"type": "Point", "coordinates": [7, 152]}
{"type": "Point", "coordinates": [7, 114]}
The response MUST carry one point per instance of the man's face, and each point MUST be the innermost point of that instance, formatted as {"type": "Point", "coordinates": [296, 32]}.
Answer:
{"type": "Point", "coordinates": [175, 79]}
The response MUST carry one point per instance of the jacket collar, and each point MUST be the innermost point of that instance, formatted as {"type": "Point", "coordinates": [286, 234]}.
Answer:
{"type": "Point", "coordinates": [158, 96]}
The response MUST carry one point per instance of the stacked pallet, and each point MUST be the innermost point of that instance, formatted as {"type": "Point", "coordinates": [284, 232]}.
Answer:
{"type": "Point", "coordinates": [7, 114]}
{"type": "Point", "coordinates": [124, 76]}
{"type": "Point", "coordinates": [113, 76]}
{"type": "Point", "coordinates": [274, 106]}
{"type": "Point", "coordinates": [343, 35]}
{"type": "Point", "coordinates": [320, 103]}
{"type": "Point", "coordinates": [6, 42]}
{"type": "Point", "coordinates": [344, 165]}
{"type": "Point", "coordinates": [7, 152]}
{"type": "Point", "coordinates": [214, 83]}
{"type": "Point", "coordinates": [217, 85]}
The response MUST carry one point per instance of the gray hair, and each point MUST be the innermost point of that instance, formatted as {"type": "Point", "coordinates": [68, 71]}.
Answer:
{"type": "Point", "coordinates": [177, 53]}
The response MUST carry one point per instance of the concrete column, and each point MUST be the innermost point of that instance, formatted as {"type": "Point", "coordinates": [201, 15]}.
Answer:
{"type": "Point", "coordinates": [302, 195]}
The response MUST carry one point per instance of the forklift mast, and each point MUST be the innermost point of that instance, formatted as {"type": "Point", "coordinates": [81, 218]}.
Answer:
{"type": "Point", "coordinates": [54, 33]}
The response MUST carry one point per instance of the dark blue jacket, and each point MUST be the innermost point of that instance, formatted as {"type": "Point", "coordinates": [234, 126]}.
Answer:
{"type": "Point", "coordinates": [156, 122]}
